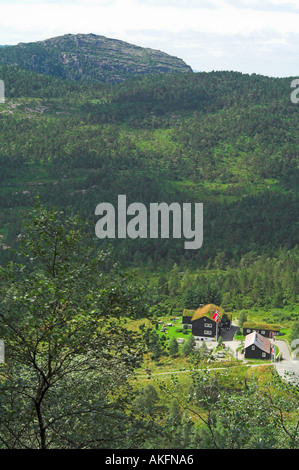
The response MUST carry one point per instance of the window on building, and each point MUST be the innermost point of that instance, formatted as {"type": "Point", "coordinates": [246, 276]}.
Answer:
{"type": "Point", "coordinates": [248, 330]}
{"type": "Point", "coordinates": [263, 354]}
{"type": "Point", "coordinates": [208, 325]}
{"type": "Point", "coordinates": [207, 332]}
{"type": "Point", "coordinates": [253, 347]}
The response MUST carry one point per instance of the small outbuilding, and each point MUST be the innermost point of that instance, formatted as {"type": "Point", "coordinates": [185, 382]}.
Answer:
{"type": "Point", "coordinates": [257, 346]}
{"type": "Point", "coordinates": [264, 329]}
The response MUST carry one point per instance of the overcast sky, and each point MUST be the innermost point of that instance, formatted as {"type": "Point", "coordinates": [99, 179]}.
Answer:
{"type": "Point", "coordinates": [250, 36]}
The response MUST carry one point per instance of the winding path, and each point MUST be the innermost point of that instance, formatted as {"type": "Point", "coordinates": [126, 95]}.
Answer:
{"type": "Point", "coordinates": [287, 368]}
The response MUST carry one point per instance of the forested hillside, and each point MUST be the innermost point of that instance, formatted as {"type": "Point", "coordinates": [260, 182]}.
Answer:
{"type": "Point", "coordinates": [225, 139]}
{"type": "Point", "coordinates": [81, 317]}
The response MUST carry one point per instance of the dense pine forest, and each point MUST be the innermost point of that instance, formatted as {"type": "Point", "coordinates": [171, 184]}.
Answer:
{"type": "Point", "coordinates": [224, 139]}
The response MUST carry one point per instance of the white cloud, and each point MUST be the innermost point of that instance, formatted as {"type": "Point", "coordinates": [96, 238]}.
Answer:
{"type": "Point", "coordinates": [227, 28]}
{"type": "Point", "coordinates": [267, 52]}
{"type": "Point", "coordinates": [185, 4]}
{"type": "Point", "coordinates": [266, 5]}
{"type": "Point", "coordinates": [121, 15]}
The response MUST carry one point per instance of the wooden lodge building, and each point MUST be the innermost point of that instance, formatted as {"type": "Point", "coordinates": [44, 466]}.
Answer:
{"type": "Point", "coordinates": [204, 328]}
{"type": "Point", "coordinates": [257, 346]}
{"type": "Point", "coordinates": [264, 329]}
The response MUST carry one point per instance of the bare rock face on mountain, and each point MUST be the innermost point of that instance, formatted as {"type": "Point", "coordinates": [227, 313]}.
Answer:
{"type": "Point", "coordinates": [90, 57]}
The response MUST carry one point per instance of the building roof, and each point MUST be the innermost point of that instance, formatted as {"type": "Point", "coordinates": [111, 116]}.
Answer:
{"type": "Point", "coordinates": [258, 340]}
{"type": "Point", "coordinates": [188, 313]}
{"type": "Point", "coordinates": [207, 311]}
{"type": "Point", "coordinates": [261, 326]}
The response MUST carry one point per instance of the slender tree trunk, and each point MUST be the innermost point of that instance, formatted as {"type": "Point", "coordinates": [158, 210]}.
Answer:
{"type": "Point", "coordinates": [42, 429]}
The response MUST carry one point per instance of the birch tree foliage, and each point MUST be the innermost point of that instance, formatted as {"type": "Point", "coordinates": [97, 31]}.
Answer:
{"type": "Point", "coordinates": [68, 353]}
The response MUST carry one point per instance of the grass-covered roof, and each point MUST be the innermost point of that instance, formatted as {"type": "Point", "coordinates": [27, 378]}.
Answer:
{"type": "Point", "coordinates": [261, 326]}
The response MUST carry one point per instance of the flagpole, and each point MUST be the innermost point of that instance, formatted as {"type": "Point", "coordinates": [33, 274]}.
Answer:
{"type": "Point", "coordinates": [216, 318]}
